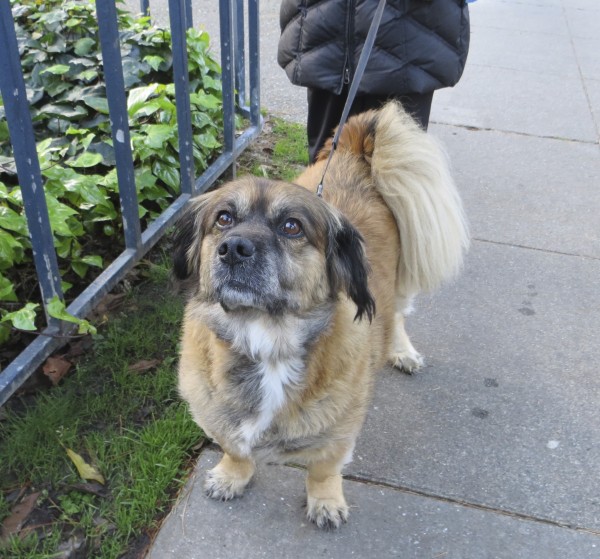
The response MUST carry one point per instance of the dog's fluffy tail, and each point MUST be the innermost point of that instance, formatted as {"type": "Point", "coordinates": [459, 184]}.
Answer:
{"type": "Point", "coordinates": [412, 174]}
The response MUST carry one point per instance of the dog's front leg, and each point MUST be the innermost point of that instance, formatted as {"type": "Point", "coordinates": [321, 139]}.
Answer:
{"type": "Point", "coordinates": [229, 477]}
{"type": "Point", "coordinates": [326, 505]}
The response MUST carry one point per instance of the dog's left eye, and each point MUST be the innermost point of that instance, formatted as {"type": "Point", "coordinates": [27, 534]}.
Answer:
{"type": "Point", "coordinates": [292, 228]}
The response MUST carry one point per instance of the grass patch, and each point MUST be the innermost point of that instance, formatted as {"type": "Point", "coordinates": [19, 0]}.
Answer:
{"type": "Point", "coordinates": [130, 425]}
{"type": "Point", "coordinates": [280, 153]}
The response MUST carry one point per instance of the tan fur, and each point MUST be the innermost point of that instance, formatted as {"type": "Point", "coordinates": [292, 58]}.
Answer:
{"type": "Point", "coordinates": [315, 413]}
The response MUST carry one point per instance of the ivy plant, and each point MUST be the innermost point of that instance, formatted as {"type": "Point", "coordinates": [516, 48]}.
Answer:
{"type": "Point", "coordinates": [62, 64]}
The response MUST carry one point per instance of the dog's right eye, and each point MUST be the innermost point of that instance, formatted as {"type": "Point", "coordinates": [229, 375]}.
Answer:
{"type": "Point", "coordinates": [224, 219]}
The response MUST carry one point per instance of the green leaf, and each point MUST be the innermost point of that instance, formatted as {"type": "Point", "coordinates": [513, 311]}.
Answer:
{"type": "Point", "coordinates": [99, 104]}
{"type": "Point", "coordinates": [154, 61]}
{"type": "Point", "coordinates": [79, 267]}
{"type": "Point", "coordinates": [7, 290]}
{"type": "Point", "coordinates": [57, 69]}
{"type": "Point", "coordinates": [3, 131]}
{"type": "Point", "coordinates": [85, 186]}
{"type": "Point", "coordinates": [11, 220]}
{"type": "Point", "coordinates": [158, 134]}
{"type": "Point", "coordinates": [84, 46]}
{"type": "Point", "coordinates": [93, 260]}
{"type": "Point", "coordinates": [144, 178]}
{"type": "Point", "coordinates": [23, 319]}
{"type": "Point", "coordinates": [146, 109]}
{"type": "Point", "coordinates": [4, 332]}
{"type": "Point", "coordinates": [167, 174]}
{"type": "Point", "coordinates": [88, 75]}
{"type": "Point", "coordinates": [7, 245]}
{"type": "Point", "coordinates": [59, 214]}
{"type": "Point", "coordinates": [86, 159]}
{"type": "Point", "coordinates": [206, 141]}
{"type": "Point", "coordinates": [65, 285]}
{"type": "Point", "coordinates": [64, 111]}
{"type": "Point", "coordinates": [85, 142]}
{"type": "Point", "coordinates": [205, 100]}
{"type": "Point", "coordinates": [56, 308]}
{"type": "Point", "coordinates": [138, 96]}
{"type": "Point", "coordinates": [73, 22]}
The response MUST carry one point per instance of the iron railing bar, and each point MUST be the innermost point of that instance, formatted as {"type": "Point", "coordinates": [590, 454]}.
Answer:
{"type": "Point", "coordinates": [227, 73]}
{"type": "Point", "coordinates": [23, 365]}
{"type": "Point", "coordinates": [119, 120]}
{"type": "Point", "coordinates": [225, 160]}
{"type": "Point", "coordinates": [254, 62]}
{"type": "Point", "coordinates": [158, 227]}
{"type": "Point", "coordinates": [177, 14]}
{"type": "Point", "coordinates": [14, 95]}
{"type": "Point", "coordinates": [118, 269]}
{"type": "Point", "coordinates": [189, 17]}
{"type": "Point", "coordinates": [239, 50]}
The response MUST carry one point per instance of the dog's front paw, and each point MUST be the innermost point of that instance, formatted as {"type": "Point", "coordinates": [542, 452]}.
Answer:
{"type": "Point", "coordinates": [409, 361]}
{"type": "Point", "coordinates": [223, 487]}
{"type": "Point", "coordinates": [228, 478]}
{"type": "Point", "coordinates": [327, 513]}
{"type": "Point", "coordinates": [325, 502]}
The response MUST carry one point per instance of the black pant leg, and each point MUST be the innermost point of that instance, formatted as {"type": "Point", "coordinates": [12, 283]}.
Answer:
{"type": "Point", "coordinates": [324, 113]}
{"type": "Point", "coordinates": [325, 110]}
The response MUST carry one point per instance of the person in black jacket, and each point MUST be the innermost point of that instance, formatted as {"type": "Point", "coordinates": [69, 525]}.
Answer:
{"type": "Point", "coordinates": [421, 46]}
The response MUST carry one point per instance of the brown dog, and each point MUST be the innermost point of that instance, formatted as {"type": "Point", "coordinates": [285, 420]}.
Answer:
{"type": "Point", "coordinates": [281, 337]}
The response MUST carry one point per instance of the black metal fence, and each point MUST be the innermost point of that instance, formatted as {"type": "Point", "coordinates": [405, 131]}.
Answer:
{"type": "Point", "coordinates": [237, 68]}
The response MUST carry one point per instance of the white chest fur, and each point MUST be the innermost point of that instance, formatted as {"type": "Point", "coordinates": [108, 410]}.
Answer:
{"type": "Point", "coordinates": [277, 348]}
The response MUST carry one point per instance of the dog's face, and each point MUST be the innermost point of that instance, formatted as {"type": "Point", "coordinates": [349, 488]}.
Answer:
{"type": "Point", "coordinates": [270, 246]}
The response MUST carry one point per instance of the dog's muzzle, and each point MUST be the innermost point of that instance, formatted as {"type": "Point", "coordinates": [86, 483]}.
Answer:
{"type": "Point", "coordinates": [238, 276]}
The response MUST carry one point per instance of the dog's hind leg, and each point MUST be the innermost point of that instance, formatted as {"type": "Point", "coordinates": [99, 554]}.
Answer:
{"type": "Point", "coordinates": [229, 477]}
{"type": "Point", "coordinates": [404, 356]}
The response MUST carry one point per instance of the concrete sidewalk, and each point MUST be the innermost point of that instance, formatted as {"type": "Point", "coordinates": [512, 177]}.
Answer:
{"type": "Point", "coordinates": [494, 451]}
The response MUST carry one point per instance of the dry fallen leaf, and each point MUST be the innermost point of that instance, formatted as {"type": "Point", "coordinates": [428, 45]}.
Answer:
{"type": "Point", "coordinates": [79, 347]}
{"type": "Point", "coordinates": [13, 524]}
{"type": "Point", "coordinates": [144, 365]}
{"type": "Point", "coordinates": [86, 471]}
{"type": "Point", "coordinates": [55, 368]}
{"type": "Point", "coordinates": [110, 302]}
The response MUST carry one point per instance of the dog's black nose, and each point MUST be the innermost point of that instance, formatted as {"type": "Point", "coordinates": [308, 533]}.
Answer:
{"type": "Point", "coordinates": [236, 249]}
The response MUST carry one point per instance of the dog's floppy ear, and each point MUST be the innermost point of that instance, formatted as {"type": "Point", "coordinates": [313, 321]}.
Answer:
{"type": "Point", "coordinates": [347, 267]}
{"type": "Point", "coordinates": [187, 239]}
{"type": "Point", "coordinates": [182, 242]}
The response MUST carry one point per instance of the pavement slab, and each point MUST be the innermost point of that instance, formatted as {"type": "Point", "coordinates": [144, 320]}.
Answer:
{"type": "Point", "coordinates": [525, 190]}
{"type": "Point", "coordinates": [506, 413]}
{"type": "Point", "coordinates": [268, 521]}
{"type": "Point", "coordinates": [489, 98]}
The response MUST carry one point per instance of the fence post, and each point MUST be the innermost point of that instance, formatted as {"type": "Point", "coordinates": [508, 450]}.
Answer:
{"type": "Point", "coordinates": [239, 37]}
{"type": "Point", "coordinates": [178, 15]}
{"type": "Point", "coordinates": [119, 120]}
{"type": "Point", "coordinates": [227, 73]}
{"type": "Point", "coordinates": [188, 14]}
{"type": "Point", "coordinates": [14, 95]}
{"type": "Point", "coordinates": [254, 61]}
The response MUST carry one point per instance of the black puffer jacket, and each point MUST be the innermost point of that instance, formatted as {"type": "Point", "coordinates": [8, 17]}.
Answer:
{"type": "Point", "coordinates": [421, 45]}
